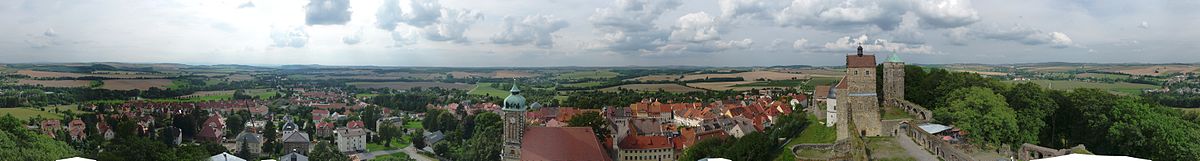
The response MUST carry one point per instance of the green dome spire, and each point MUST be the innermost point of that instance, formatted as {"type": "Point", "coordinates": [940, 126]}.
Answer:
{"type": "Point", "coordinates": [514, 101]}
{"type": "Point", "coordinates": [895, 58]}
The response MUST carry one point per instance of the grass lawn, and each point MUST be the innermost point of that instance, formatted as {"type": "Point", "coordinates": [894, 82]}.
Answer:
{"type": "Point", "coordinates": [396, 144]}
{"type": "Point", "coordinates": [393, 155]}
{"type": "Point", "coordinates": [65, 108]}
{"type": "Point", "coordinates": [599, 74]}
{"type": "Point", "coordinates": [26, 113]}
{"type": "Point", "coordinates": [1122, 87]}
{"type": "Point", "coordinates": [487, 90]}
{"type": "Point", "coordinates": [263, 93]}
{"type": "Point", "coordinates": [413, 125]}
{"type": "Point", "coordinates": [1101, 75]}
{"type": "Point", "coordinates": [891, 113]}
{"type": "Point", "coordinates": [365, 95]}
{"type": "Point", "coordinates": [814, 133]}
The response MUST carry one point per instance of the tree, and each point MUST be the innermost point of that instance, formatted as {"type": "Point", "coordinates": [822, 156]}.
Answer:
{"type": "Point", "coordinates": [245, 153]}
{"type": "Point", "coordinates": [484, 145]}
{"type": "Point", "coordinates": [387, 132]}
{"type": "Point", "coordinates": [327, 151]}
{"type": "Point", "coordinates": [981, 112]}
{"type": "Point", "coordinates": [1029, 101]}
{"type": "Point", "coordinates": [418, 141]}
{"type": "Point", "coordinates": [591, 119]}
{"type": "Point", "coordinates": [270, 136]}
{"type": "Point", "coordinates": [707, 148]}
{"type": "Point", "coordinates": [18, 142]}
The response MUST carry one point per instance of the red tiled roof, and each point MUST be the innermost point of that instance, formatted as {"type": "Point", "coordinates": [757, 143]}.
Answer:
{"type": "Point", "coordinates": [842, 84]}
{"type": "Point", "coordinates": [561, 143]}
{"type": "Point", "coordinates": [323, 124]}
{"type": "Point", "coordinates": [860, 61]}
{"type": "Point", "coordinates": [645, 142]}
{"type": "Point", "coordinates": [355, 124]}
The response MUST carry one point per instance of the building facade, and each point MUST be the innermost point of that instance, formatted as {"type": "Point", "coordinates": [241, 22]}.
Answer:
{"type": "Point", "coordinates": [857, 97]}
{"type": "Point", "coordinates": [351, 139]}
{"type": "Point", "coordinates": [893, 78]}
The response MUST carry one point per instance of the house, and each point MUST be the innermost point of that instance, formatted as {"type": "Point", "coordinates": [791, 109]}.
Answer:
{"type": "Point", "coordinates": [212, 129]}
{"type": "Point", "coordinates": [325, 129]}
{"type": "Point", "coordinates": [394, 121]}
{"type": "Point", "coordinates": [646, 148]}
{"type": "Point", "coordinates": [253, 142]}
{"type": "Point", "coordinates": [355, 124]}
{"type": "Point", "coordinates": [294, 140]}
{"type": "Point", "coordinates": [50, 127]}
{"type": "Point", "coordinates": [433, 137]}
{"type": "Point", "coordinates": [293, 156]}
{"type": "Point", "coordinates": [105, 130]}
{"type": "Point", "coordinates": [319, 114]}
{"type": "Point", "coordinates": [225, 156]}
{"type": "Point", "coordinates": [351, 139]}
{"type": "Point", "coordinates": [76, 129]}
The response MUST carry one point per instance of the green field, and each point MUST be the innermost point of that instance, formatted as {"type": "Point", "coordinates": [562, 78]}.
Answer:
{"type": "Point", "coordinates": [26, 113]}
{"type": "Point", "coordinates": [599, 74]}
{"type": "Point", "coordinates": [584, 84]}
{"type": "Point", "coordinates": [365, 95]}
{"type": "Point", "coordinates": [815, 132]}
{"type": "Point", "coordinates": [1124, 88]}
{"type": "Point", "coordinates": [70, 108]}
{"type": "Point", "coordinates": [486, 89]}
{"type": "Point", "coordinates": [892, 113]}
{"type": "Point", "coordinates": [1101, 76]}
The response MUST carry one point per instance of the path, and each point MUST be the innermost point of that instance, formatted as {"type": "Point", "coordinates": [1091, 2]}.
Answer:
{"type": "Point", "coordinates": [913, 149]}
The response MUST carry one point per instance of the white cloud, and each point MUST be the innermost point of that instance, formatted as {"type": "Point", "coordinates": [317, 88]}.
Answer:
{"type": "Point", "coordinates": [629, 27]}
{"type": "Point", "coordinates": [1144, 25]}
{"type": "Point", "coordinates": [847, 44]}
{"type": "Point", "coordinates": [50, 33]}
{"type": "Point", "coordinates": [248, 4]}
{"type": "Point", "coordinates": [294, 37]}
{"type": "Point", "coordinates": [452, 25]}
{"type": "Point", "coordinates": [799, 44]}
{"type": "Point", "coordinates": [839, 15]}
{"type": "Point", "coordinates": [536, 29]}
{"type": "Point", "coordinates": [327, 12]}
{"type": "Point", "coordinates": [404, 38]}
{"type": "Point", "coordinates": [1022, 34]}
{"type": "Point", "coordinates": [695, 27]}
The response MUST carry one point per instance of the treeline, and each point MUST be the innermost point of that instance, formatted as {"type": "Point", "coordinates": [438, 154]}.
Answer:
{"type": "Point", "coordinates": [753, 146]}
{"type": "Point", "coordinates": [474, 137]}
{"type": "Point", "coordinates": [998, 114]}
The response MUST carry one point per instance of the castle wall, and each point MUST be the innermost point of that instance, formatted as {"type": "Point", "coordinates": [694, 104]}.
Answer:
{"type": "Point", "coordinates": [862, 100]}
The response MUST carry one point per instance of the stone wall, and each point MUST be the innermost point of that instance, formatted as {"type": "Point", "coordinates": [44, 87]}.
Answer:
{"type": "Point", "coordinates": [918, 112]}
{"type": "Point", "coordinates": [893, 80]}
{"type": "Point", "coordinates": [892, 127]}
{"type": "Point", "coordinates": [934, 144]}
{"type": "Point", "coordinates": [1031, 152]}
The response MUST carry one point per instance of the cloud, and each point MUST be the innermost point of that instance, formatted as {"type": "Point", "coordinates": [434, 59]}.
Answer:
{"type": "Point", "coordinates": [452, 25]}
{"type": "Point", "coordinates": [353, 38]}
{"type": "Point", "coordinates": [50, 33]}
{"type": "Point", "coordinates": [695, 27]}
{"type": "Point", "coordinates": [248, 4]}
{"type": "Point", "coordinates": [629, 27]}
{"type": "Point", "coordinates": [847, 45]}
{"type": "Point", "coordinates": [1144, 25]}
{"type": "Point", "coordinates": [704, 47]}
{"type": "Point", "coordinates": [289, 37]}
{"type": "Point", "coordinates": [799, 44]}
{"type": "Point", "coordinates": [908, 31]}
{"type": "Point", "coordinates": [327, 12]}
{"type": "Point", "coordinates": [1022, 34]}
{"type": "Point", "coordinates": [418, 13]}
{"type": "Point", "coordinates": [404, 38]}
{"type": "Point", "coordinates": [839, 15]}
{"type": "Point", "coordinates": [536, 29]}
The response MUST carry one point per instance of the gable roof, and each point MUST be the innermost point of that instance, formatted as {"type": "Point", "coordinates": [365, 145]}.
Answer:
{"type": "Point", "coordinates": [295, 137]}
{"type": "Point", "coordinates": [225, 156]}
{"type": "Point", "coordinates": [860, 61]}
{"type": "Point", "coordinates": [645, 142]}
{"type": "Point", "coordinates": [561, 143]}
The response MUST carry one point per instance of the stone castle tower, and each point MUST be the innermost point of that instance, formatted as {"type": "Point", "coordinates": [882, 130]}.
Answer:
{"type": "Point", "coordinates": [514, 124]}
{"type": "Point", "coordinates": [859, 96]}
{"type": "Point", "coordinates": [893, 78]}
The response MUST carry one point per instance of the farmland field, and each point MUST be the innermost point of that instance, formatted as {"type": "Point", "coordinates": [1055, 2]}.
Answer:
{"type": "Point", "coordinates": [657, 78]}
{"type": "Point", "coordinates": [584, 84]}
{"type": "Point", "coordinates": [46, 74]}
{"type": "Point", "coordinates": [1125, 88]}
{"type": "Point", "coordinates": [721, 86]}
{"type": "Point", "coordinates": [1159, 70]}
{"type": "Point", "coordinates": [131, 84]}
{"type": "Point", "coordinates": [1100, 75]}
{"type": "Point", "coordinates": [599, 74]}
{"type": "Point", "coordinates": [654, 87]}
{"type": "Point", "coordinates": [486, 89]}
{"type": "Point", "coordinates": [774, 83]}
{"type": "Point", "coordinates": [512, 74]}
{"type": "Point", "coordinates": [410, 85]}
{"type": "Point", "coordinates": [26, 113]}
{"type": "Point", "coordinates": [56, 83]}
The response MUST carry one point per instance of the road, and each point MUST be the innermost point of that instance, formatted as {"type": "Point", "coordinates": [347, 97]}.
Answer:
{"type": "Point", "coordinates": [913, 149]}
{"type": "Point", "coordinates": [410, 150]}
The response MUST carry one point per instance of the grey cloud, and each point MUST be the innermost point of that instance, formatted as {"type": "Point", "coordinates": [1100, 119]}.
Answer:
{"type": "Point", "coordinates": [248, 4]}
{"type": "Point", "coordinates": [1144, 25]}
{"type": "Point", "coordinates": [848, 44]}
{"type": "Point", "coordinates": [452, 25]}
{"type": "Point", "coordinates": [908, 31]}
{"type": "Point", "coordinates": [388, 15]}
{"type": "Point", "coordinates": [327, 12]}
{"type": "Point", "coordinates": [695, 27]}
{"type": "Point", "coordinates": [838, 15]}
{"type": "Point", "coordinates": [800, 43]}
{"type": "Point", "coordinates": [418, 13]}
{"type": "Point", "coordinates": [629, 27]}
{"type": "Point", "coordinates": [536, 29]}
{"type": "Point", "coordinates": [404, 38]}
{"type": "Point", "coordinates": [50, 33]}
{"type": "Point", "coordinates": [1024, 35]}
{"type": "Point", "coordinates": [705, 47]}
{"type": "Point", "coordinates": [353, 38]}
{"type": "Point", "coordinates": [289, 37]}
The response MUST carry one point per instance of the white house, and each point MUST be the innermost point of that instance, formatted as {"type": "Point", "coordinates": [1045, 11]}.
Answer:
{"type": "Point", "coordinates": [351, 139]}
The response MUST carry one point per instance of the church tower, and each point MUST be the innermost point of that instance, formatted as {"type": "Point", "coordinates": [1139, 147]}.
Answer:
{"type": "Point", "coordinates": [893, 78]}
{"type": "Point", "coordinates": [514, 124]}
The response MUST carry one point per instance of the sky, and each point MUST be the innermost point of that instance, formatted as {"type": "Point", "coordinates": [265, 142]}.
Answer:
{"type": "Point", "coordinates": [534, 33]}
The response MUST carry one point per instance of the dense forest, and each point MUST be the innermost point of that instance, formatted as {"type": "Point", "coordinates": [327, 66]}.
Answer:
{"type": "Point", "coordinates": [1004, 116]}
